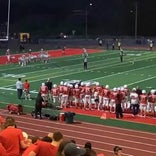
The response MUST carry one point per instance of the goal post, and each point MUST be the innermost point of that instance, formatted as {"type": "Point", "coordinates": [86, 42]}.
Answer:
{"type": "Point", "coordinates": [4, 20]}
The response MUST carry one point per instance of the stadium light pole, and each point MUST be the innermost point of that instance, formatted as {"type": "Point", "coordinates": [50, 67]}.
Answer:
{"type": "Point", "coordinates": [135, 13]}
{"type": "Point", "coordinates": [86, 20]}
{"type": "Point", "coordinates": [8, 22]}
{"type": "Point", "coordinates": [136, 20]}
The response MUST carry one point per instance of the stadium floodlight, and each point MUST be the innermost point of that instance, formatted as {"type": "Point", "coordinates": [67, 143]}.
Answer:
{"type": "Point", "coordinates": [7, 23]}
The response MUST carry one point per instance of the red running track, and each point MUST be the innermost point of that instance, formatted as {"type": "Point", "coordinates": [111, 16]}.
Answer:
{"type": "Point", "coordinates": [103, 138]}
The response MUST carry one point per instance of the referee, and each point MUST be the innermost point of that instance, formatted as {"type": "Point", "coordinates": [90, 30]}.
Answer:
{"type": "Point", "coordinates": [19, 87]}
{"type": "Point", "coordinates": [121, 55]}
{"type": "Point", "coordinates": [85, 59]}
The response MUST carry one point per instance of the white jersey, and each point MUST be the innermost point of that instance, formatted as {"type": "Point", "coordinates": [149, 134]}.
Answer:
{"type": "Point", "coordinates": [134, 98]}
{"type": "Point", "coordinates": [19, 85]}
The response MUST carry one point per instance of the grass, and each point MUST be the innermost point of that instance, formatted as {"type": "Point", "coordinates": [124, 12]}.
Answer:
{"type": "Point", "coordinates": [137, 69]}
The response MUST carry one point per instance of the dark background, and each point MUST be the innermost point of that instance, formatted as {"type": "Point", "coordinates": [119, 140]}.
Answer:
{"type": "Point", "coordinates": [105, 17]}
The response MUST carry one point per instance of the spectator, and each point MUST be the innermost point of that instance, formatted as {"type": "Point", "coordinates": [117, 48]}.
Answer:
{"type": "Point", "coordinates": [2, 150]}
{"type": "Point", "coordinates": [88, 145]}
{"type": "Point", "coordinates": [47, 149]}
{"type": "Point", "coordinates": [32, 142]}
{"type": "Point", "coordinates": [117, 151]}
{"type": "Point", "coordinates": [57, 139]}
{"type": "Point", "coordinates": [72, 150]}
{"type": "Point", "coordinates": [32, 146]}
{"type": "Point", "coordinates": [12, 138]}
{"type": "Point", "coordinates": [90, 152]}
{"type": "Point", "coordinates": [1, 123]}
{"type": "Point", "coordinates": [19, 87]}
{"type": "Point", "coordinates": [47, 139]}
{"type": "Point", "coordinates": [50, 135]}
{"type": "Point", "coordinates": [73, 141]}
{"type": "Point", "coordinates": [61, 147]}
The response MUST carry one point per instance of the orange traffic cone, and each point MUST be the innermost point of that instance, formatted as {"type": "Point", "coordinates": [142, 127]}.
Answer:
{"type": "Point", "coordinates": [103, 116]}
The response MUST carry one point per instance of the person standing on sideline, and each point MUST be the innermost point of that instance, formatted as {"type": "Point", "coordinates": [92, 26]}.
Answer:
{"type": "Point", "coordinates": [26, 87]}
{"type": "Point", "coordinates": [63, 50]}
{"type": "Point", "coordinates": [8, 55]}
{"type": "Point", "coordinates": [121, 55]}
{"type": "Point", "coordinates": [134, 102]}
{"type": "Point", "coordinates": [38, 106]}
{"type": "Point", "coordinates": [119, 45]}
{"type": "Point", "coordinates": [151, 45]}
{"type": "Point", "coordinates": [49, 84]}
{"type": "Point", "coordinates": [19, 87]}
{"type": "Point", "coordinates": [85, 59]}
{"type": "Point", "coordinates": [118, 110]}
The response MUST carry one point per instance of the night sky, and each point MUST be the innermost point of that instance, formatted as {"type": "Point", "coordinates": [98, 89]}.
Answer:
{"type": "Point", "coordinates": [105, 17]}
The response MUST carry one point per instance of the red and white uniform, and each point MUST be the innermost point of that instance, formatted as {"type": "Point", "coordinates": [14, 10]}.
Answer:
{"type": "Point", "coordinates": [55, 94]}
{"type": "Point", "coordinates": [8, 56]}
{"type": "Point", "coordinates": [87, 97]}
{"type": "Point", "coordinates": [44, 90]}
{"type": "Point", "coordinates": [26, 87]}
{"type": "Point", "coordinates": [124, 103]}
{"type": "Point", "coordinates": [143, 103]}
{"type": "Point", "coordinates": [151, 101]}
{"type": "Point", "coordinates": [65, 96]}
{"type": "Point", "coordinates": [98, 95]}
{"type": "Point", "coordinates": [76, 95]}
{"type": "Point", "coordinates": [106, 97]}
{"type": "Point", "coordinates": [113, 97]}
{"type": "Point", "coordinates": [82, 94]}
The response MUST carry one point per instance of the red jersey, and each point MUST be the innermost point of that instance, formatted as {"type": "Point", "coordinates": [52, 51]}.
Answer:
{"type": "Point", "coordinates": [76, 92]}
{"type": "Point", "coordinates": [88, 90]}
{"type": "Point", "coordinates": [143, 99]}
{"type": "Point", "coordinates": [113, 95]}
{"type": "Point", "coordinates": [123, 94]}
{"type": "Point", "coordinates": [45, 149]}
{"type": "Point", "coordinates": [10, 139]}
{"type": "Point", "coordinates": [44, 90]}
{"type": "Point", "coordinates": [2, 150]}
{"type": "Point", "coordinates": [26, 86]}
{"type": "Point", "coordinates": [66, 90]}
{"type": "Point", "coordinates": [61, 88]}
{"type": "Point", "coordinates": [29, 149]}
{"type": "Point", "coordinates": [55, 91]}
{"type": "Point", "coordinates": [106, 93]}
{"type": "Point", "coordinates": [98, 89]}
{"type": "Point", "coordinates": [152, 98]}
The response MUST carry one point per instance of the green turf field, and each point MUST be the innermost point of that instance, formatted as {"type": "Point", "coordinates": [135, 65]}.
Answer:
{"type": "Point", "coordinates": [138, 68]}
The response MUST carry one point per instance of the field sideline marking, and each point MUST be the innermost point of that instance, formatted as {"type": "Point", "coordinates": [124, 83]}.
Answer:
{"type": "Point", "coordinates": [98, 77]}
{"type": "Point", "coordinates": [11, 89]}
{"type": "Point", "coordinates": [76, 65]}
{"type": "Point", "coordinates": [91, 79]}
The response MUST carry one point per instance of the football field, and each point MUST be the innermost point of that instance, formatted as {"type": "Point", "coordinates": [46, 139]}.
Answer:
{"type": "Point", "coordinates": [137, 69]}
